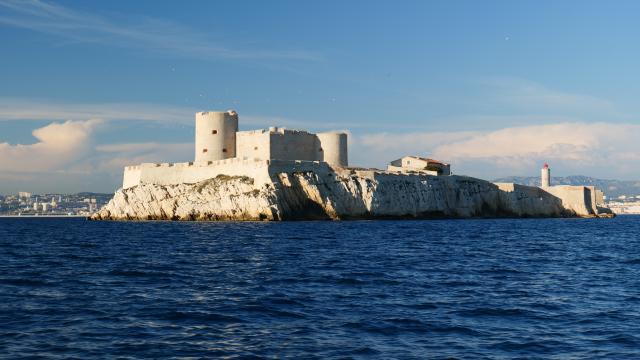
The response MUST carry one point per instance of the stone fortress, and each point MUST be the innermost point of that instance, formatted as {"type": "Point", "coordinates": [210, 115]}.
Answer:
{"type": "Point", "coordinates": [220, 149]}
{"type": "Point", "coordinates": [282, 174]}
{"type": "Point", "coordinates": [218, 138]}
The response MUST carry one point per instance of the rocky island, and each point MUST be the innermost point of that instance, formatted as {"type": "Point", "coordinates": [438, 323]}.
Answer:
{"type": "Point", "coordinates": [281, 174]}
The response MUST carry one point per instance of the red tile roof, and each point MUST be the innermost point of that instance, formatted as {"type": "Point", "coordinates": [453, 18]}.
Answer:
{"type": "Point", "coordinates": [428, 160]}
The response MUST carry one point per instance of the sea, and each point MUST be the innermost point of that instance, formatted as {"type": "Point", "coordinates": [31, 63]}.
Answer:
{"type": "Point", "coordinates": [435, 289]}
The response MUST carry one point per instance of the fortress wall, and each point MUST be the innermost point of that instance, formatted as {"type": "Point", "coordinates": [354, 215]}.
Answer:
{"type": "Point", "coordinates": [592, 195]}
{"type": "Point", "coordinates": [599, 197]}
{"type": "Point", "coordinates": [131, 176]}
{"type": "Point", "coordinates": [293, 145]}
{"type": "Point", "coordinates": [288, 166]}
{"type": "Point", "coordinates": [526, 200]}
{"type": "Point", "coordinates": [583, 200]}
{"type": "Point", "coordinates": [190, 173]}
{"type": "Point", "coordinates": [530, 191]}
{"type": "Point", "coordinates": [580, 199]}
{"type": "Point", "coordinates": [253, 144]}
{"type": "Point", "coordinates": [333, 148]}
{"type": "Point", "coordinates": [278, 144]}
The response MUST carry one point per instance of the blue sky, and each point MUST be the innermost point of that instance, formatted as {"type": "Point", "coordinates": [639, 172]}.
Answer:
{"type": "Point", "coordinates": [494, 87]}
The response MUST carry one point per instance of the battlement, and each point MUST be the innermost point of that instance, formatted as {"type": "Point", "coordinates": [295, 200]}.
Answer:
{"type": "Point", "coordinates": [199, 163]}
{"type": "Point", "coordinates": [229, 112]}
{"type": "Point", "coordinates": [273, 130]}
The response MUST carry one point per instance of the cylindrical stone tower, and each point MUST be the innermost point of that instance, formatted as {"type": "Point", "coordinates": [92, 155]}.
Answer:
{"type": "Point", "coordinates": [545, 174]}
{"type": "Point", "coordinates": [333, 148]}
{"type": "Point", "coordinates": [216, 135]}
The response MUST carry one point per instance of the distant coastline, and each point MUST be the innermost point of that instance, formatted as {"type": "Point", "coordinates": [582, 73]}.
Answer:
{"type": "Point", "coordinates": [43, 216]}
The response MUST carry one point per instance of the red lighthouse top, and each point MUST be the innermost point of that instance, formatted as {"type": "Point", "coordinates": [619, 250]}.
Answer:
{"type": "Point", "coordinates": [545, 166]}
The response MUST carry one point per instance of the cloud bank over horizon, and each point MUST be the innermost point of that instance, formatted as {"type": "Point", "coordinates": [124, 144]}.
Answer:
{"type": "Point", "coordinates": [67, 157]}
{"type": "Point", "coordinates": [601, 150]}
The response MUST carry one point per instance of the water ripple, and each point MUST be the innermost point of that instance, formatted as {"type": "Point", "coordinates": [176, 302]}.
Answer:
{"type": "Point", "coordinates": [455, 289]}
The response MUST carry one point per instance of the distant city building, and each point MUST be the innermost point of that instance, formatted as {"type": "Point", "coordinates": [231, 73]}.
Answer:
{"type": "Point", "coordinates": [35, 205]}
{"type": "Point", "coordinates": [24, 194]}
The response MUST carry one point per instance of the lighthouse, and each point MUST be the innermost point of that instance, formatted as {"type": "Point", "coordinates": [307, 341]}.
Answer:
{"type": "Point", "coordinates": [545, 174]}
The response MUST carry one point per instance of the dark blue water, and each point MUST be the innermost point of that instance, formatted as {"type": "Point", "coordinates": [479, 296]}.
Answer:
{"type": "Point", "coordinates": [558, 288]}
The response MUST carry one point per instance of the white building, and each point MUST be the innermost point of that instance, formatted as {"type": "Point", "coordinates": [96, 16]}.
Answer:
{"type": "Point", "coordinates": [418, 164]}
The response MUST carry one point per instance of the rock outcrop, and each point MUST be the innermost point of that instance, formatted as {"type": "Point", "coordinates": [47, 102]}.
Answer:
{"type": "Point", "coordinates": [331, 194]}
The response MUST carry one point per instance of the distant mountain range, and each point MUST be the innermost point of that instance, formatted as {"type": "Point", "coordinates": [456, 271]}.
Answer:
{"type": "Point", "coordinates": [611, 188]}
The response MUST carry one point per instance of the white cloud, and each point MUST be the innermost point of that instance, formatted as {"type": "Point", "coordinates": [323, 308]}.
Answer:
{"type": "Point", "coordinates": [602, 150]}
{"type": "Point", "coordinates": [113, 158]}
{"type": "Point", "coordinates": [59, 144]}
{"type": "Point", "coordinates": [65, 158]}
{"type": "Point", "coordinates": [565, 140]}
{"type": "Point", "coordinates": [136, 33]}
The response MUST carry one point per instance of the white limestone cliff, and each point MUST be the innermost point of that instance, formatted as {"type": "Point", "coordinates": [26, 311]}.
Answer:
{"type": "Point", "coordinates": [331, 194]}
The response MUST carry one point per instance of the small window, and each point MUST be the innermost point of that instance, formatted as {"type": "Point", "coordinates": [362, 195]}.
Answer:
{"type": "Point", "coordinates": [204, 150]}
{"type": "Point", "coordinates": [214, 132]}
{"type": "Point", "coordinates": [224, 150]}
{"type": "Point", "coordinates": [255, 148]}
{"type": "Point", "coordinates": [320, 149]}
